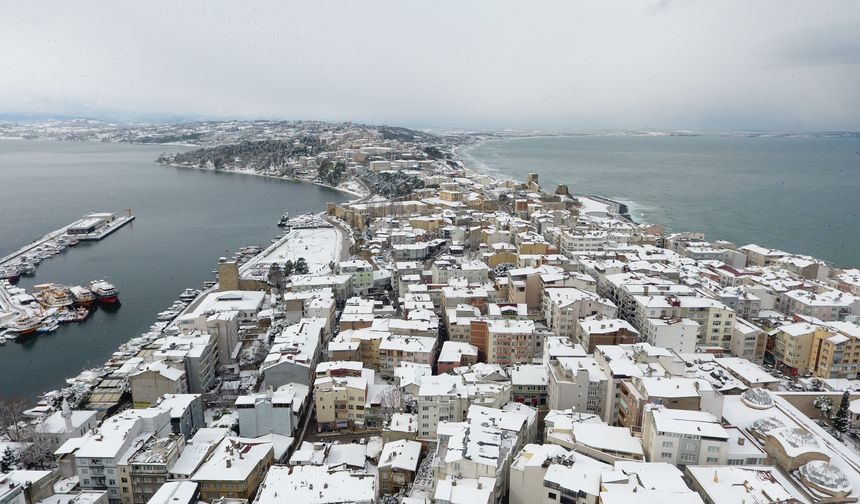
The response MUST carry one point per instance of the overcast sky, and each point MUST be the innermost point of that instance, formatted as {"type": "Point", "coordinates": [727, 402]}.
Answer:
{"type": "Point", "coordinates": [772, 65]}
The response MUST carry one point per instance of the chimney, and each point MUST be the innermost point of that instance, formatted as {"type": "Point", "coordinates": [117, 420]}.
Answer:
{"type": "Point", "coordinates": [229, 463]}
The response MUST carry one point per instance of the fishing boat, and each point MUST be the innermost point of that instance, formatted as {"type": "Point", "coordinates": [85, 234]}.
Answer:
{"type": "Point", "coordinates": [73, 242]}
{"type": "Point", "coordinates": [105, 292]}
{"type": "Point", "coordinates": [81, 296]}
{"type": "Point", "coordinates": [10, 273]}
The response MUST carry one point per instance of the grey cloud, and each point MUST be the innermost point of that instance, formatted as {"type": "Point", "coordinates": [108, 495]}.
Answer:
{"type": "Point", "coordinates": [614, 64]}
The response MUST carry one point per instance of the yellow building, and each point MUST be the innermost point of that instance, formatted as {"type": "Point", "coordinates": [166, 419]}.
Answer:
{"type": "Point", "coordinates": [340, 402]}
{"type": "Point", "coordinates": [835, 354]}
{"type": "Point", "coordinates": [235, 469]}
{"type": "Point", "coordinates": [793, 346]}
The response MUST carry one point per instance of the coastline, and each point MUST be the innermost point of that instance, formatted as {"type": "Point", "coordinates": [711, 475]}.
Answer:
{"type": "Point", "coordinates": [264, 175]}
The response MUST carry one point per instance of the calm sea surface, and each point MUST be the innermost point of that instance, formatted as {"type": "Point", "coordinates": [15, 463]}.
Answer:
{"type": "Point", "coordinates": [186, 219]}
{"type": "Point", "coordinates": [798, 194]}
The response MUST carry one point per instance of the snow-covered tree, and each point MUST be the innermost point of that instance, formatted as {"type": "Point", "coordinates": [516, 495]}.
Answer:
{"type": "Point", "coordinates": [8, 461]}
{"type": "Point", "coordinates": [840, 419]}
{"type": "Point", "coordinates": [824, 405]}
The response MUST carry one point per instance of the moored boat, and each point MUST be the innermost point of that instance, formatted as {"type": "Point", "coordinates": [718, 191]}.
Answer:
{"type": "Point", "coordinates": [81, 296]}
{"type": "Point", "coordinates": [24, 324]}
{"type": "Point", "coordinates": [52, 296]}
{"type": "Point", "coordinates": [105, 292]}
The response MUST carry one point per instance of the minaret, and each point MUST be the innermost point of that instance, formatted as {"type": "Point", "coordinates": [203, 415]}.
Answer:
{"type": "Point", "coordinates": [67, 415]}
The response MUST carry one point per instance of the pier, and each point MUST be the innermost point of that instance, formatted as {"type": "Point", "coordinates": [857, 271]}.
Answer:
{"type": "Point", "coordinates": [91, 227]}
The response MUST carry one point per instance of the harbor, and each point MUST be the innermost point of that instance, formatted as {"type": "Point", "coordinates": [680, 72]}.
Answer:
{"type": "Point", "coordinates": [92, 227]}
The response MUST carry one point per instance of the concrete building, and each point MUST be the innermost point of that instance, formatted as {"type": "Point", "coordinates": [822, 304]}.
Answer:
{"type": "Point", "coordinates": [153, 380]}
{"type": "Point", "coordinates": [235, 469]}
{"type": "Point", "coordinates": [272, 412]}
{"type": "Point", "coordinates": [683, 437]}
{"type": "Point", "coordinates": [595, 331]}
{"type": "Point", "coordinates": [398, 464]}
{"type": "Point", "coordinates": [98, 455]}
{"type": "Point", "coordinates": [186, 412]}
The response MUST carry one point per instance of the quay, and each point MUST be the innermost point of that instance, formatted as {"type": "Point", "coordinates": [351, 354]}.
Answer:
{"type": "Point", "coordinates": [96, 226]}
{"type": "Point", "coordinates": [91, 227]}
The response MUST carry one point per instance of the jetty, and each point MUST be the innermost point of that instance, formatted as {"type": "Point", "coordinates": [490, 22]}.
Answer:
{"type": "Point", "coordinates": [91, 227]}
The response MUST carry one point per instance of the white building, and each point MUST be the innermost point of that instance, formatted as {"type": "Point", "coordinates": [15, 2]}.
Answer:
{"type": "Point", "coordinates": [683, 437]}
{"type": "Point", "coordinates": [294, 354]}
{"type": "Point", "coordinates": [97, 455]}
{"type": "Point", "coordinates": [272, 412]}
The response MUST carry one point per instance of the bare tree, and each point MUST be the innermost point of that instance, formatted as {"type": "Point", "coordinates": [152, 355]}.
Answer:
{"type": "Point", "coordinates": [391, 402]}
{"type": "Point", "coordinates": [12, 419]}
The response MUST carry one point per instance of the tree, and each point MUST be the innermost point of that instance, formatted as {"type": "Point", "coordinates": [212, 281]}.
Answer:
{"type": "Point", "coordinates": [8, 461]}
{"type": "Point", "coordinates": [288, 268]}
{"type": "Point", "coordinates": [301, 267]}
{"type": "Point", "coordinates": [840, 418]}
{"type": "Point", "coordinates": [824, 405]}
{"type": "Point", "coordinates": [391, 402]}
{"type": "Point", "coordinates": [39, 455]}
{"type": "Point", "coordinates": [12, 418]}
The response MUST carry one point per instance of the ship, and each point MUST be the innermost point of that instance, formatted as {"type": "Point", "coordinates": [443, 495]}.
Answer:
{"type": "Point", "coordinates": [284, 220]}
{"type": "Point", "coordinates": [81, 296]}
{"type": "Point", "coordinates": [105, 292]}
{"type": "Point", "coordinates": [24, 324]}
{"type": "Point", "coordinates": [52, 296]}
{"type": "Point", "coordinates": [10, 273]}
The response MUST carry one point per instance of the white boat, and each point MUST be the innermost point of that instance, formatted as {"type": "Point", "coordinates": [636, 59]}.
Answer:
{"type": "Point", "coordinates": [105, 291]}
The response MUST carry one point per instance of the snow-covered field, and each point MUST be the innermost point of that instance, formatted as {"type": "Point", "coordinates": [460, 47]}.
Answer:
{"type": "Point", "coordinates": [319, 247]}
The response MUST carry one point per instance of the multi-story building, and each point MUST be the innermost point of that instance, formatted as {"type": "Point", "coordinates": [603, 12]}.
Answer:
{"type": "Point", "coordinates": [362, 275]}
{"type": "Point", "coordinates": [595, 331]}
{"type": "Point", "coordinates": [748, 341]}
{"type": "Point", "coordinates": [678, 334]}
{"type": "Point", "coordinates": [684, 437]}
{"type": "Point", "coordinates": [186, 412]}
{"type": "Point", "coordinates": [716, 320]}
{"type": "Point", "coordinates": [826, 306]}
{"type": "Point", "coordinates": [792, 347]}
{"type": "Point", "coordinates": [672, 392]}
{"type": "Point", "coordinates": [505, 341]}
{"type": "Point", "coordinates": [340, 402]}
{"type": "Point", "coordinates": [154, 379]}
{"type": "Point", "coordinates": [144, 472]}
{"type": "Point", "coordinates": [98, 455]}
{"type": "Point", "coordinates": [529, 384]}
{"type": "Point", "coordinates": [195, 353]}
{"type": "Point", "coordinates": [836, 352]}
{"type": "Point", "coordinates": [235, 469]}
{"type": "Point", "coordinates": [294, 354]}
{"type": "Point", "coordinates": [578, 383]}
{"type": "Point", "coordinates": [565, 305]}
{"type": "Point", "coordinates": [65, 424]}
{"type": "Point", "coordinates": [395, 348]}
{"type": "Point", "coordinates": [272, 412]}
{"type": "Point", "coordinates": [398, 464]}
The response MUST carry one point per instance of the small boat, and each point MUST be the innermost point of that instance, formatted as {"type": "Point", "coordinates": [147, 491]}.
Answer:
{"type": "Point", "coordinates": [81, 296]}
{"type": "Point", "coordinates": [284, 220]}
{"type": "Point", "coordinates": [73, 242]}
{"type": "Point", "coordinates": [48, 326]}
{"type": "Point", "coordinates": [27, 268]}
{"type": "Point", "coordinates": [188, 295]}
{"type": "Point", "coordinates": [105, 292]}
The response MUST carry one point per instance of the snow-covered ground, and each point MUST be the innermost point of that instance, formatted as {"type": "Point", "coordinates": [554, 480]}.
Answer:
{"type": "Point", "coordinates": [319, 246]}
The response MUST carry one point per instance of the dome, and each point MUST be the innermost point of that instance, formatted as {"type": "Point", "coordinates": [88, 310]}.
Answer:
{"type": "Point", "coordinates": [825, 476]}
{"type": "Point", "coordinates": [766, 424]}
{"type": "Point", "coordinates": [757, 398]}
{"type": "Point", "coordinates": [795, 440]}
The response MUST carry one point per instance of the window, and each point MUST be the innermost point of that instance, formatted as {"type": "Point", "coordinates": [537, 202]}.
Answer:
{"type": "Point", "coordinates": [666, 455]}
{"type": "Point", "coordinates": [689, 446]}
{"type": "Point", "coordinates": [712, 460]}
{"type": "Point", "coordinates": [713, 449]}
{"type": "Point", "coordinates": [668, 444]}
{"type": "Point", "coordinates": [551, 495]}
